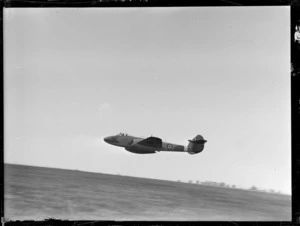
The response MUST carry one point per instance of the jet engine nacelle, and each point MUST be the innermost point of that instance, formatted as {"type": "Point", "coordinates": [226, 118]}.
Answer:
{"type": "Point", "coordinates": [196, 145]}
{"type": "Point", "coordinates": [137, 148]}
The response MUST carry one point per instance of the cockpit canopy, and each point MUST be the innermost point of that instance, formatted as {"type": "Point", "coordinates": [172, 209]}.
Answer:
{"type": "Point", "coordinates": [122, 134]}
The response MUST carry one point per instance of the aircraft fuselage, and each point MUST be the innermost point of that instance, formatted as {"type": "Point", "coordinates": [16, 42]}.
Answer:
{"type": "Point", "coordinates": [140, 145]}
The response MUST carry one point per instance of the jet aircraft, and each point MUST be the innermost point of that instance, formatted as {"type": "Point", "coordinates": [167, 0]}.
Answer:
{"type": "Point", "coordinates": [154, 144]}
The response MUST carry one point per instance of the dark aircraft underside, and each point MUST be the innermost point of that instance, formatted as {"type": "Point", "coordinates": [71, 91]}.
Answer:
{"type": "Point", "coordinates": [140, 151]}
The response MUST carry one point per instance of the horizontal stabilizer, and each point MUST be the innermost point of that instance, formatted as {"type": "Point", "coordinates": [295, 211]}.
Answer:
{"type": "Point", "coordinates": [198, 141]}
{"type": "Point", "coordinates": [196, 145]}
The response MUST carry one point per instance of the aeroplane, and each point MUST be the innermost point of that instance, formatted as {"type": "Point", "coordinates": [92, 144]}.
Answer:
{"type": "Point", "coordinates": [152, 144]}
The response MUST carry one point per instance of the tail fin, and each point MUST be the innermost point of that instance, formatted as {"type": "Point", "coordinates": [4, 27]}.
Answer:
{"type": "Point", "coordinates": [196, 145]}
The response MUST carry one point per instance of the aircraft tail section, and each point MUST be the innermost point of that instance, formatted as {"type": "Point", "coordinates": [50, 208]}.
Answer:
{"type": "Point", "coordinates": [196, 145]}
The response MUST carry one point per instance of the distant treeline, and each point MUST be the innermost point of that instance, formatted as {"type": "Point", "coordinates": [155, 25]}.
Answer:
{"type": "Point", "coordinates": [222, 184]}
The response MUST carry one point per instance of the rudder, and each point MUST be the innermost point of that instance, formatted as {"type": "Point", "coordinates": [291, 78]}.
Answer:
{"type": "Point", "coordinates": [196, 145]}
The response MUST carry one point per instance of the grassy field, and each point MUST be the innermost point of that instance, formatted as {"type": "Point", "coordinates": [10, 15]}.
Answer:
{"type": "Point", "coordinates": [35, 193]}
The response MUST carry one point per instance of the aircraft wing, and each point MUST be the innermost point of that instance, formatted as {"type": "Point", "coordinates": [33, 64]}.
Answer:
{"type": "Point", "coordinates": [154, 142]}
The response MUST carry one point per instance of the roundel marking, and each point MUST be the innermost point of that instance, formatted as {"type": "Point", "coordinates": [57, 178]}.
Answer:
{"type": "Point", "coordinates": [169, 146]}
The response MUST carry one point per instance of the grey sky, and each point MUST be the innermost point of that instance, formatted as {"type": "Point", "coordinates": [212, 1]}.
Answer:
{"type": "Point", "coordinates": [74, 76]}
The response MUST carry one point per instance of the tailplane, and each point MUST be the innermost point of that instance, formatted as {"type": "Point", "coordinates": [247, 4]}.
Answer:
{"type": "Point", "coordinates": [196, 145]}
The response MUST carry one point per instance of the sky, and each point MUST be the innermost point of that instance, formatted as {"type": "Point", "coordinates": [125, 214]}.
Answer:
{"type": "Point", "coordinates": [73, 76]}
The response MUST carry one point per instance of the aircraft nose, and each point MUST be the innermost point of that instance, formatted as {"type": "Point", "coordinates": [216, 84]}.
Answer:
{"type": "Point", "coordinates": [109, 140]}
{"type": "Point", "coordinates": [106, 139]}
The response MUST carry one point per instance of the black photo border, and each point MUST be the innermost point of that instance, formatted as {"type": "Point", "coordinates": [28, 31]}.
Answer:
{"type": "Point", "coordinates": [295, 97]}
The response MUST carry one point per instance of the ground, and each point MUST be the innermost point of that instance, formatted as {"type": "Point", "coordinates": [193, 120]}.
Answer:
{"type": "Point", "coordinates": [35, 193]}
